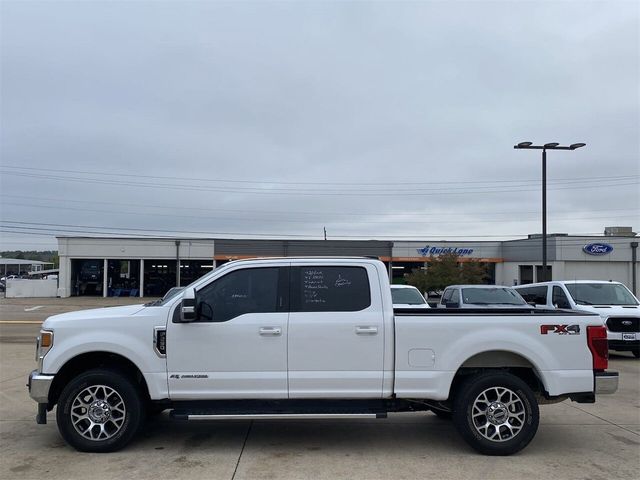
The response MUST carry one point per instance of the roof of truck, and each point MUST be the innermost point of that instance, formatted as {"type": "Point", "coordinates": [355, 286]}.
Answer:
{"type": "Point", "coordinates": [565, 282]}
{"type": "Point", "coordinates": [478, 286]}
{"type": "Point", "coordinates": [279, 259]}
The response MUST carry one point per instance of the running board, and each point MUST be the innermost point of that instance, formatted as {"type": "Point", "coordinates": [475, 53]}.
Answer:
{"type": "Point", "coordinates": [272, 416]}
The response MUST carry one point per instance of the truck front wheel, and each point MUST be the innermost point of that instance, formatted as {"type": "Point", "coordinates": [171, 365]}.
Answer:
{"type": "Point", "coordinates": [496, 413]}
{"type": "Point", "coordinates": [99, 411]}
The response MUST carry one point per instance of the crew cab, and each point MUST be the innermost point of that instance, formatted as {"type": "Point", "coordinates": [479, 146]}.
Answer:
{"type": "Point", "coordinates": [311, 338]}
{"type": "Point", "coordinates": [615, 304]}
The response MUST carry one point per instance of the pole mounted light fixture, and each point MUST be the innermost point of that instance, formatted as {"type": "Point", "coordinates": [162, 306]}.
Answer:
{"type": "Point", "coordinates": [544, 148]}
{"type": "Point", "coordinates": [548, 146]}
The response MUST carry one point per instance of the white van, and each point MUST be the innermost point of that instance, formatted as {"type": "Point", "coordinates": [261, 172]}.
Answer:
{"type": "Point", "coordinates": [615, 303]}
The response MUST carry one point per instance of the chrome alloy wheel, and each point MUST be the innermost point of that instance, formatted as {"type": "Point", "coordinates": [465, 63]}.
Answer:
{"type": "Point", "coordinates": [98, 412]}
{"type": "Point", "coordinates": [498, 414]}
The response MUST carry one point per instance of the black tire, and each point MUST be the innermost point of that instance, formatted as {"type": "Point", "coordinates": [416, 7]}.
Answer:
{"type": "Point", "coordinates": [118, 416]}
{"type": "Point", "coordinates": [510, 405]}
{"type": "Point", "coordinates": [443, 415]}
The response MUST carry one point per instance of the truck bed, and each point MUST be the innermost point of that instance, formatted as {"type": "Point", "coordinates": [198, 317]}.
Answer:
{"type": "Point", "coordinates": [550, 342]}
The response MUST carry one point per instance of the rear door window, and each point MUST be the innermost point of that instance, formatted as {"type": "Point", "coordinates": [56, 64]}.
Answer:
{"type": "Point", "coordinates": [455, 296]}
{"type": "Point", "coordinates": [330, 289]}
{"type": "Point", "coordinates": [537, 295]}
{"type": "Point", "coordinates": [560, 298]}
{"type": "Point", "coordinates": [446, 296]}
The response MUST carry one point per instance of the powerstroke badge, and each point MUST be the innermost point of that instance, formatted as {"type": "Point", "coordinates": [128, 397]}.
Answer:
{"type": "Point", "coordinates": [560, 329]}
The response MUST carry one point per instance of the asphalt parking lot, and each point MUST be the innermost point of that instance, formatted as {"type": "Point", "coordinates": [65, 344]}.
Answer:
{"type": "Point", "coordinates": [599, 442]}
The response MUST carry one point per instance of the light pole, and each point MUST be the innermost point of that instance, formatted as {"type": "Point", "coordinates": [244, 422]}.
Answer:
{"type": "Point", "coordinates": [544, 148]}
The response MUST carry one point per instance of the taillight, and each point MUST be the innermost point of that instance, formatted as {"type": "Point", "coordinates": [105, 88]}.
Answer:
{"type": "Point", "coordinates": [597, 341]}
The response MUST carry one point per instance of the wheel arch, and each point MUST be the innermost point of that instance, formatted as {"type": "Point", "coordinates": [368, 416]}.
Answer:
{"type": "Point", "coordinates": [499, 360]}
{"type": "Point", "coordinates": [91, 360]}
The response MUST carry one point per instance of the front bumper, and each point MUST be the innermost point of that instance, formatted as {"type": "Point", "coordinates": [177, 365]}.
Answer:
{"type": "Point", "coordinates": [606, 382]}
{"type": "Point", "coordinates": [625, 345]}
{"type": "Point", "coordinates": [39, 386]}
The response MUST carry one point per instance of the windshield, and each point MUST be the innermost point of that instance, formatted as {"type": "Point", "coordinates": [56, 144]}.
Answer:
{"type": "Point", "coordinates": [492, 296]}
{"type": "Point", "coordinates": [173, 291]}
{"type": "Point", "coordinates": [410, 296]}
{"type": "Point", "coordinates": [600, 294]}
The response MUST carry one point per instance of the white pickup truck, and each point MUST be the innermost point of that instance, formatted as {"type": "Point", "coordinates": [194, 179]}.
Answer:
{"type": "Point", "coordinates": [616, 305]}
{"type": "Point", "coordinates": [312, 338]}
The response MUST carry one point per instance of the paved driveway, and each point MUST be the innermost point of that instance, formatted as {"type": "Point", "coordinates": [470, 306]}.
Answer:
{"type": "Point", "coordinates": [600, 442]}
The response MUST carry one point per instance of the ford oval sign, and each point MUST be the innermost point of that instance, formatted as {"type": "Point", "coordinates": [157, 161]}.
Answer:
{"type": "Point", "coordinates": [597, 248]}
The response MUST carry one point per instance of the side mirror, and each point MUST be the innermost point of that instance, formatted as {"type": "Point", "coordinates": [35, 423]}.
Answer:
{"type": "Point", "coordinates": [188, 306]}
{"type": "Point", "coordinates": [452, 305]}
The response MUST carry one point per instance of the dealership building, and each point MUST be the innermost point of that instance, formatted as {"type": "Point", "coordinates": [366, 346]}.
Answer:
{"type": "Point", "coordinates": [148, 267]}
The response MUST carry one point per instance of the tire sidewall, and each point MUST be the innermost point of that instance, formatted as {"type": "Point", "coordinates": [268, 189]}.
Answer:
{"type": "Point", "coordinates": [464, 422]}
{"type": "Point", "coordinates": [130, 397]}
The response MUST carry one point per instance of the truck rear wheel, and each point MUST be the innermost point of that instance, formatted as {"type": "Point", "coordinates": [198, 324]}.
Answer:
{"type": "Point", "coordinates": [496, 413]}
{"type": "Point", "coordinates": [99, 411]}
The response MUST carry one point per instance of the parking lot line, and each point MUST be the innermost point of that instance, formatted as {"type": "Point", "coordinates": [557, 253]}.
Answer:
{"type": "Point", "coordinates": [35, 322]}
{"type": "Point", "coordinates": [31, 309]}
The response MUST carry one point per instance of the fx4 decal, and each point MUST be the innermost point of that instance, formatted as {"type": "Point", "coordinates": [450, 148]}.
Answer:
{"type": "Point", "coordinates": [187, 376]}
{"type": "Point", "coordinates": [560, 329]}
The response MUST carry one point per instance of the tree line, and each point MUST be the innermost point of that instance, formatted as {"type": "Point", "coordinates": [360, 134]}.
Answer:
{"type": "Point", "coordinates": [42, 256]}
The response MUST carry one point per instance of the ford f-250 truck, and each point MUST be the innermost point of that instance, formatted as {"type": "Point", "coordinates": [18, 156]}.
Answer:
{"type": "Point", "coordinates": [616, 305]}
{"type": "Point", "coordinates": [312, 338]}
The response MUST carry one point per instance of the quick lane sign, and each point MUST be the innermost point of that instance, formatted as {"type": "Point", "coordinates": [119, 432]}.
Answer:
{"type": "Point", "coordinates": [428, 250]}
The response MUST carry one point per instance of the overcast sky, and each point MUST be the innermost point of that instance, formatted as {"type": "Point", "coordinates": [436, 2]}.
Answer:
{"type": "Point", "coordinates": [376, 120]}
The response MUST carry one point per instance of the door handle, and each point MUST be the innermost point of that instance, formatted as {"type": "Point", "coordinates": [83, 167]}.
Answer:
{"type": "Point", "coordinates": [366, 330]}
{"type": "Point", "coordinates": [270, 331]}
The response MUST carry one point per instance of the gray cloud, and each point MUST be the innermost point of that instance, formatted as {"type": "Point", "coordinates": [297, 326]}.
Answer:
{"type": "Point", "coordinates": [427, 93]}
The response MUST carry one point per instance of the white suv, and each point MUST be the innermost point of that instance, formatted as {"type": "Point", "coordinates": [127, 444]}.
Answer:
{"type": "Point", "coordinates": [615, 304]}
{"type": "Point", "coordinates": [406, 296]}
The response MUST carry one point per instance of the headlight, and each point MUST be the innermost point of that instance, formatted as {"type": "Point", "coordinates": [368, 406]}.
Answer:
{"type": "Point", "coordinates": [44, 342]}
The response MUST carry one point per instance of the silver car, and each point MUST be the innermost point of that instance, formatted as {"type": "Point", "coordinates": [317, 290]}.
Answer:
{"type": "Point", "coordinates": [481, 296]}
